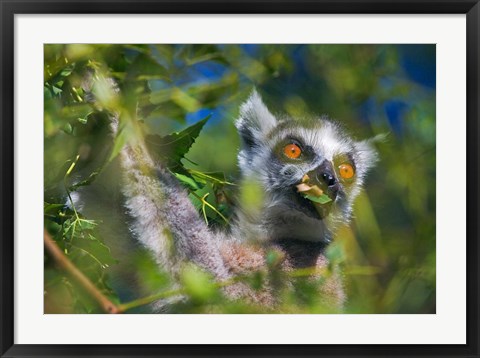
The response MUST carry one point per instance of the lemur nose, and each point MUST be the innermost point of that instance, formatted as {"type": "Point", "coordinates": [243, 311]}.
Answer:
{"type": "Point", "coordinates": [328, 178]}
{"type": "Point", "coordinates": [324, 175]}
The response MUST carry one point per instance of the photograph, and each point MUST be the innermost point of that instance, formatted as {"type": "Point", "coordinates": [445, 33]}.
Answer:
{"type": "Point", "coordinates": [239, 178]}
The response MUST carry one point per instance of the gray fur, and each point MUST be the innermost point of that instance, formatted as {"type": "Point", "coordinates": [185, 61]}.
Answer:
{"type": "Point", "coordinates": [166, 221]}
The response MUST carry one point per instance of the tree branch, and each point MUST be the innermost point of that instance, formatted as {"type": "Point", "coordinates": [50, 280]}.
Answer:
{"type": "Point", "coordinates": [62, 261]}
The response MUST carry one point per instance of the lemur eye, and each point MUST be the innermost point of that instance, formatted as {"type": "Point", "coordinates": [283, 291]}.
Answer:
{"type": "Point", "coordinates": [292, 151]}
{"type": "Point", "coordinates": [346, 171]}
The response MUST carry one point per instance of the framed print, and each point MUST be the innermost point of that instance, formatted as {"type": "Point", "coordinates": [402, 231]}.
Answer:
{"type": "Point", "coordinates": [237, 178]}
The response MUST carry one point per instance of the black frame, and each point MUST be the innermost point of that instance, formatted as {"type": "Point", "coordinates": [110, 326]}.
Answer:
{"type": "Point", "coordinates": [11, 7]}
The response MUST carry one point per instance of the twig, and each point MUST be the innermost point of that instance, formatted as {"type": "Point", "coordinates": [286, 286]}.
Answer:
{"type": "Point", "coordinates": [149, 299]}
{"type": "Point", "coordinates": [63, 261]}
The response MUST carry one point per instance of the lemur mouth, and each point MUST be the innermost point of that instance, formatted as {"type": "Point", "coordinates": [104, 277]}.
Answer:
{"type": "Point", "coordinates": [313, 197]}
{"type": "Point", "coordinates": [311, 209]}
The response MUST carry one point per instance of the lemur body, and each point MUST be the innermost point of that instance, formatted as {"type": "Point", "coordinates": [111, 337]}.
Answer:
{"type": "Point", "coordinates": [167, 223]}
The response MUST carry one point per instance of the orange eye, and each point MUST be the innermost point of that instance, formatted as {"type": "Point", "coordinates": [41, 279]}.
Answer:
{"type": "Point", "coordinates": [292, 151]}
{"type": "Point", "coordinates": [346, 171]}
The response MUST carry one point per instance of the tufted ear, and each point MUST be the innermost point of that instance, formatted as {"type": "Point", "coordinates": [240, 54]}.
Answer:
{"type": "Point", "coordinates": [255, 121]}
{"type": "Point", "coordinates": [366, 153]}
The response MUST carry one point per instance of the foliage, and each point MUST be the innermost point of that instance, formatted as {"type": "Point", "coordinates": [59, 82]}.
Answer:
{"type": "Point", "coordinates": [186, 97]}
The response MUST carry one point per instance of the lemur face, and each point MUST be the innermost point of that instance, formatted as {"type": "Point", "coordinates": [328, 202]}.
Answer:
{"type": "Point", "coordinates": [281, 153]}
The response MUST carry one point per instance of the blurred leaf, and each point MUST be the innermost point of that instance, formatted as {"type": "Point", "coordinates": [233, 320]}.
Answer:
{"type": "Point", "coordinates": [273, 258]}
{"type": "Point", "coordinates": [251, 197]}
{"type": "Point", "coordinates": [363, 270]}
{"type": "Point", "coordinates": [184, 100]}
{"type": "Point", "coordinates": [334, 253]}
{"type": "Point", "coordinates": [149, 273]}
{"type": "Point", "coordinates": [123, 135]}
{"type": "Point", "coordinates": [145, 67]}
{"type": "Point", "coordinates": [103, 89]}
{"type": "Point", "coordinates": [75, 111]}
{"type": "Point", "coordinates": [257, 280]}
{"type": "Point", "coordinates": [198, 284]}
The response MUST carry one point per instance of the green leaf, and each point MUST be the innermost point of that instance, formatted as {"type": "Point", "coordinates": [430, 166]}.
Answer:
{"type": "Point", "coordinates": [213, 177]}
{"type": "Point", "coordinates": [188, 181]}
{"type": "Point", "coordinates": [146, 67]}
{"type": "Point", "coordinates": [86, 181]}
{"type": "Point", "coordinates": [76, 111]}
{"type": "Point", "coordinates": [322, 199]}
{"type": "Point", "coordinates": [198, 284]}
{"type": "Point", "coordinates": [273, 258]}
{"type": "Point", "coordinates": [256, 280]}
{"type": "Point", "coordinates": [77, 227]}
{"type": "Point", "coordinates": [118, 143]}
{"type": "Point", "coordinates": [85, 224]}
{"type": "Point", "coordinates": [184, 100]}
{"type": "Point", "coordinates": [68, 128]}
{"type": "Point", "coordinates": [172, 148]}
{"type": "Point", "coordinates": [56, 90]}
{"type": "Point", "coordinates": [152, 277]}
{"type": "Point", "coordinates": [57, 214]}
{"type": "Point", "coordinates": [47, 94]}
{"type": "Point", "coordinates": [66, 71]}
{"type": "Point", "coordinates": [52, 209]}
{"type": "Point", "coordinates": [335, 253]}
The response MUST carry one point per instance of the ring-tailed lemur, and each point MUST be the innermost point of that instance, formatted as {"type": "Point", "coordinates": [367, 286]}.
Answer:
{"type": "Point", "coordinates": [277, 154]}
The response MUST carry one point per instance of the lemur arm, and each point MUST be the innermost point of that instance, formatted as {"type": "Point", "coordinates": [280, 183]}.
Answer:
{"type": "Point", "coordinates": [165, 220]}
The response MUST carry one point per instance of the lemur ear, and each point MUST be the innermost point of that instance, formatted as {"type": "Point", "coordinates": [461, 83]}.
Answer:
{"type": "Point", "coordinates": [366, 153]}
{"type": "Point", "coordinates": [255, 120]}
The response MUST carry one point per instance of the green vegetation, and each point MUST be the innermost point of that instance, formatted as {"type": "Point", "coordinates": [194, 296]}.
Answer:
{"type": "Point", "coordinates": [186, 98]}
